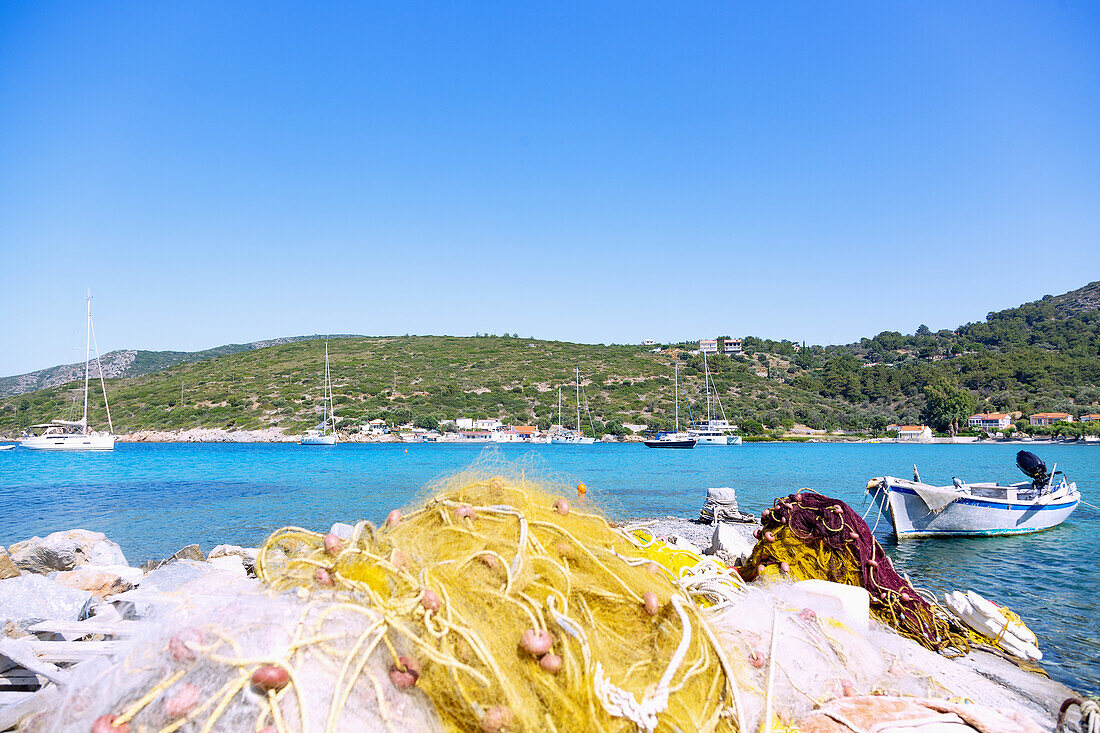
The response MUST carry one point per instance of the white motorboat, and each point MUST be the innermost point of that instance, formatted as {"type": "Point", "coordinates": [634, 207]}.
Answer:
{"type": "Point", "coordinates": [713, 431]}
{"type": "Point", "coordinates": [917, 509]}
{"type": "Point", "coordinates": [321, 434]}
{"type": "Point", "coordinates": [713, 436]}
{"type": "Point", "coordinates": [7, 447]}
{"type": "Point", "coordinates": [74, 434]}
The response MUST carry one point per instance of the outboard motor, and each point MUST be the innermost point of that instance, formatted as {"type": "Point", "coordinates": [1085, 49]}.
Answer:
{"type": "Point", "coordinates": [1033, 468]}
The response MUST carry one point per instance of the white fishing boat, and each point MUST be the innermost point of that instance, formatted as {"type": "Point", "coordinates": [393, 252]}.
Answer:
{"type": "Point", "coordinates": [566, 436]}
{"type": "Point", "coordinates": [9, 446]}
{"type": "Point", "coordinates": [325, 432]}
{"type": "Point", "coordinates": [918, 509]}
{"type": "Point", "coordinates": [74, 434]}
{"type": "Point", "coordinates": [713, 431]}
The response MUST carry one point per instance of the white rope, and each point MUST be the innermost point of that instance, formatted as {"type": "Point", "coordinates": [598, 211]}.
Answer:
{"type": "Point", "coordinates": [621, 704]}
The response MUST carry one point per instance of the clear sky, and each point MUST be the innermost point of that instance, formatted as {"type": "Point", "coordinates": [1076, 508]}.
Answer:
{"type": "Point", "coordinates": [603, 172]}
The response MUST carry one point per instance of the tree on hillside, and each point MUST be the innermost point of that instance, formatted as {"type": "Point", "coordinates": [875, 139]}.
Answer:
{"type": "Point", "coordinates": [947, 404]}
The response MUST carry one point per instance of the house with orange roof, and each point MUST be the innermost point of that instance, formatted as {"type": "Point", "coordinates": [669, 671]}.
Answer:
{"type": "Point", "coordinates": [1090, 418]}
{"type": "Point", "coordinates": [915, 433]}
{"type": "Point", "coordinates": [989, 421]}
{"type": "Point", "coordinates": [1049, 418]}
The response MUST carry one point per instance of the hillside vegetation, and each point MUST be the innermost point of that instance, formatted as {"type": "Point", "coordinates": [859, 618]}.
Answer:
{"type": "Point", "coordinates": [1041, 356]}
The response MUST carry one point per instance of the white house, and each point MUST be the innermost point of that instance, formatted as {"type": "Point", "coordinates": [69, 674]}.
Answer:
{"type": "Point", "coordinates": [915, 433]}
{"type": "Point", "coordinates": [731, 346]}
{"type": "Point", "coordinates": [708, 346]}
{"type": "Point", "coordinates": [464, 423]}
{"type": "Point", "coordinates": [1049, 418]}
{"type": "Point", "coordinates": [1090, 418]}
{"type": "Point", "coordinates": [374, 427]}
{"type": "Point", "coordinates": [989, 421]}
{"type": "Point", "coordinates": [648, 342]}
{"type": "Point", "coordinates": [490, 424]}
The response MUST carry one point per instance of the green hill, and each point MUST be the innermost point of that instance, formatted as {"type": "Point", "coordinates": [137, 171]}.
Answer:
{"type": "Point", "coordinates": [1041, 356]}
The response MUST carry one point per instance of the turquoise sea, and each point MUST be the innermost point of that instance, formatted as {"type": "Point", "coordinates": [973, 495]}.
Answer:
{"type": "Point", "coordinates": [155, 498]}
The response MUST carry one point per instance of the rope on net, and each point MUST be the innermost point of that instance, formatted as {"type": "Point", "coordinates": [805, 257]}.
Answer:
{"type": "Point", "coordinates": [509, 609]}
{"type": "Point", "coordinates": [813, 536]}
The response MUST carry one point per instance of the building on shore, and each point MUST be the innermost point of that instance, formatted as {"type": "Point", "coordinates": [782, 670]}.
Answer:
{"type": "Point", "coordinates": [1049, 418]}
{"type": "Point", "coordinates": [1090, 418]}
{"type": "Point", "coordinates": [989, 421]}
{"type": "Point", "coordinates": [731, 346]}
{"type": "Point", "coordinates": [914, 433]}
{"type": "Point", "coordinates": [708, 346]}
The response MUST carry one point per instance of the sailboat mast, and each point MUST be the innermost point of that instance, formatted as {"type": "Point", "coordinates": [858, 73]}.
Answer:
{"type": "Point", "coordinates": [559, 406]}
{"type": "Point", "coordinates": [578, 399]}
{"type": "Point", "coordinates": [706, 384]}
{"type": "Point", "coordinates": [87, 360]}
{"type": "Point", "coordinates": [676, 381]}
{"type": "Point", "coordinates": [328, 392]}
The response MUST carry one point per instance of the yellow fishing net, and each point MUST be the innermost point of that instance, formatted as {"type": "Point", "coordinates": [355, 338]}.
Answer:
{"type": "Point", "coordinates": [513, 611]}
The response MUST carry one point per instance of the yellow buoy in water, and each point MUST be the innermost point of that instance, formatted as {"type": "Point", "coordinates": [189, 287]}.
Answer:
{"type": "Point", "coordinates": [581, 488]}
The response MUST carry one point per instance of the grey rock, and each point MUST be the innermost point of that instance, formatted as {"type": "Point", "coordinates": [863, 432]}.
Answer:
{"type": "Point", "coordinates": [191, 552]}
{"type": "Point", "coordinates": [66, 550]}
{"type": "Point", "coordinates": [246, 554]}
{"type": "Point", "coordinates": [727, 539]}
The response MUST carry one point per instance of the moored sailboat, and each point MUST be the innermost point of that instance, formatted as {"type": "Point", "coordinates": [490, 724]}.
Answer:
{"type": "Point", "coordinates": [675, 439]}
{"type": "Point", "coordinates": [713, 431]}
{"type": "Point", "coordinates": [320, 435]}
{"type": "Point", "coordinates": [74, 434]}
{"type": "Point", "coordinates": [566, 436]}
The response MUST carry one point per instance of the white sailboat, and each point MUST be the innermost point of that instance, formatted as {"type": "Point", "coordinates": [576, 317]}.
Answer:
{"type": "Point", "coordinates": [320, 435]}
{"type": "Point", "coordinates": [714, 431]}
{"type": "Point", "coordinates": [74, 434]}
{"type": "Point", "coordinates": [572, 437]}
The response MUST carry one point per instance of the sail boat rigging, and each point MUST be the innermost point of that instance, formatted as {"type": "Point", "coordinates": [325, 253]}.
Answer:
{"type": "Point", "coordinates": [565, 436]}
{"type": "Point", "coordinates": [713, 431]}
{"type": "Point", "coordinates": [676, 439]}
{"type": "Point", "coordinates": [320, 435]}
{"type": "Point", "coordinates": [70, 434]}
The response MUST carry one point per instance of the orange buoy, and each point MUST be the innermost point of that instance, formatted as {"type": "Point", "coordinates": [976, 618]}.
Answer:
{"type": "Point", "coordinates": [581, 488]}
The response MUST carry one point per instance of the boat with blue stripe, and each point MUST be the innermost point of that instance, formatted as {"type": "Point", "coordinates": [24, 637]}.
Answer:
{"type": "Point", "coordinates": [918, 509]}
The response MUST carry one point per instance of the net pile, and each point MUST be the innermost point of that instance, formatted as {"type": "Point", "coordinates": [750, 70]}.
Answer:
{"type": "Point", "coordinates": [205, 658]}
{"type": "Point", "coordinates": [813, 536]}
{"type": "Point", "coordinates": [512, 611]}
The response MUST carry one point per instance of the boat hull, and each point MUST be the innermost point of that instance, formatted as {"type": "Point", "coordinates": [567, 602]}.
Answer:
{"type": "Point", "coordinates": [69, 442]}
{"type": "Point", "coordinates": [318, 440]}
{"type": "Point", "coordinates": [717, 440]}
{"type": "Point", "coordinates": [669, 444]}
{"type": "Point", "coordinates": [573, 441]}
{"type": "Point", "coordinates": [971, 515]}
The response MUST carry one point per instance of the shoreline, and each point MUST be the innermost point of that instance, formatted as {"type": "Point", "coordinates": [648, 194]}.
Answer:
{"type": "Point", "coordinates": [277, 435]}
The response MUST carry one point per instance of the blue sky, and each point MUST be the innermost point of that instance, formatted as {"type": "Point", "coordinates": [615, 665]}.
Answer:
{"type": "Point", "coordinates": [224, 172]}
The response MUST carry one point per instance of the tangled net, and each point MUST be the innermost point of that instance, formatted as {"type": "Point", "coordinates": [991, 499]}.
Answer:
{"type": "Point", "coordinates": [513, 611]}
{"type": "Point", "coordinates": [814, 536]}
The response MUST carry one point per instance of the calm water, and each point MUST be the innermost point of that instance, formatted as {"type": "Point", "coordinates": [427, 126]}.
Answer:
{"type": "Point", "coordinates": [153, 499]}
